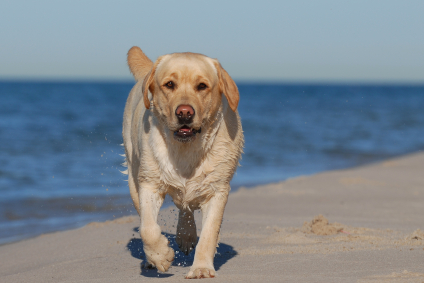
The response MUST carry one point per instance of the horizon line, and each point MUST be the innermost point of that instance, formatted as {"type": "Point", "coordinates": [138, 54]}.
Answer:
{"type": "Point", "coordinates": [238, 81]}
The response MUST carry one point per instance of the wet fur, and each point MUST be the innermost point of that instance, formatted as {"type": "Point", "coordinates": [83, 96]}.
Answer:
{"type": "Point", "coordinates": [196, 174]}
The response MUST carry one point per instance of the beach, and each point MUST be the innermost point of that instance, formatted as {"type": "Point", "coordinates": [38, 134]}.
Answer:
{"type": "Point", "coordinates": [330, 183]}
{"type": "Point", "coordinates": [61, 162]}
{"type": "Point", "coordinates": [362, 224]}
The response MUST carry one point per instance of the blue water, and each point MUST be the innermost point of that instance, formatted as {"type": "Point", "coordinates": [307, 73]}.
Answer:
{"type": "Point", "coordinates": [60, 143]}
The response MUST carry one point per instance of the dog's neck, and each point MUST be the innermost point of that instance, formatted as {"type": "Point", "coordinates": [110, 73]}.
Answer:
{"type": "Point", "coordinates": [187, 157]}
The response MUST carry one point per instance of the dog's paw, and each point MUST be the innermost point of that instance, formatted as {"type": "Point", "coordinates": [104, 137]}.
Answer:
{"type": "Point", "coordinates": [186, 239]}
{"type": "Point", "coordinates": [160, 255]}
{"type": "Point", "coordinates": [162, 261]}
{"type": "Point", "coordinates": [197, 273]}
{"type": "Point", "coordinates": [147, 265]}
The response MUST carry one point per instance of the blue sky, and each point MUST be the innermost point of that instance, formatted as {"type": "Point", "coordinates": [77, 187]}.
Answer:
{"type": "Point", "coordinates": [288, 41]}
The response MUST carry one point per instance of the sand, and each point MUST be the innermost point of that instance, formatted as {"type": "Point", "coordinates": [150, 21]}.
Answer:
{"type": "Point", "coordinates": [363, 224]}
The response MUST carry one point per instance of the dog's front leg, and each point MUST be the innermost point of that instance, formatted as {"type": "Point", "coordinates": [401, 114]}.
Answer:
{"type": "Point", "coordinates": [213, 212]}
{"type": "Point", "coordinates": [155, 245]}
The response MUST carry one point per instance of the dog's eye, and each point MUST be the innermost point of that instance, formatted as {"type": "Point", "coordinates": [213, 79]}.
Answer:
{"type": "Point", "coordinates": [201, 86]}
{"type": "Point", "coordinates": [170, 85]}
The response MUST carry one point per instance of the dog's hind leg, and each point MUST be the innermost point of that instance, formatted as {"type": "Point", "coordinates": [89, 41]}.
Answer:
{"type": "Point", "coordinates": [186, 231]}
{"type": "Point", "coordinates": [155, 245]}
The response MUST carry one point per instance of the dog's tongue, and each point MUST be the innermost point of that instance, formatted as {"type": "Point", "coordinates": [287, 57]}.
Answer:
{"type": "Point", "coordinates": [185, 129]}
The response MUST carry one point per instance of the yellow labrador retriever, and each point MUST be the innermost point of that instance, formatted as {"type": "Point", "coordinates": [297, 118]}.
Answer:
{"type": "Point", "coordinates": [182, 137]}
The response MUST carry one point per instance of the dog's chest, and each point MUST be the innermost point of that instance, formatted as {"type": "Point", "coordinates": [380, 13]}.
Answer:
{"type": "Point", "coordinates": [183, 168]}
{"type": "Point", "coordinates": [187, 186]}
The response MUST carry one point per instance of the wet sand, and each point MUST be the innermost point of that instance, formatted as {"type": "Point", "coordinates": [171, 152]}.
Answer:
{"type": "Point", "coordinates": [363, 224]}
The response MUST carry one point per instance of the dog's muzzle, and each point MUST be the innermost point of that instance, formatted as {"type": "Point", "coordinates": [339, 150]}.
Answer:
{"type": "Point", "coordinates": [186, 134]}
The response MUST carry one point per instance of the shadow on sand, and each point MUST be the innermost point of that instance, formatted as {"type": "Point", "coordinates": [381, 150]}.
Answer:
{"type": "Point", "coordinates": [223, 254]}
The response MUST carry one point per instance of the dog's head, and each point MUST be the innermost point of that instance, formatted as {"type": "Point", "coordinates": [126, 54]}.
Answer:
{"type": "Point", "coordinates": [187, 89]}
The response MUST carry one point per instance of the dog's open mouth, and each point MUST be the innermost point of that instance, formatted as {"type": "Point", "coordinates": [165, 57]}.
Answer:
{"type": "Point", "coordinates": [185, 133]}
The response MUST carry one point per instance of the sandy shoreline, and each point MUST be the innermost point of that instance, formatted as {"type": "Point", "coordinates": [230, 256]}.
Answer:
{"type": "Point", "coordinates": [375, 234]}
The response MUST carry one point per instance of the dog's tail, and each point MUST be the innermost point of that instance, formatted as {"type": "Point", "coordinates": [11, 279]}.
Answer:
{"type": "Point", "coordinates": [139, 63]}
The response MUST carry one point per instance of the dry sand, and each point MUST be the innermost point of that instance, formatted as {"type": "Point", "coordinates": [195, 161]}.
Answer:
{"type": "Point", "coordinates": [358, 225]}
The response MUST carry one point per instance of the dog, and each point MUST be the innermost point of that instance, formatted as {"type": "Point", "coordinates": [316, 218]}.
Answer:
{"type": "Point", "coordinates": [183, 137]}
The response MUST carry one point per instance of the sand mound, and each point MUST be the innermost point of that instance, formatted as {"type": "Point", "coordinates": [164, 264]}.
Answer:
{"type": "Point", "coordinates": [414, 239]}
{"type": "Point", "coordinates": [320, 226]}
{"type": "Point", "coordinates": [417, 235]}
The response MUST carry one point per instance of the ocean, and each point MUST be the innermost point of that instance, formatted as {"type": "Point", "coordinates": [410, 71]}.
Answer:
{"type": "Point", "coordinates": [60, 153]}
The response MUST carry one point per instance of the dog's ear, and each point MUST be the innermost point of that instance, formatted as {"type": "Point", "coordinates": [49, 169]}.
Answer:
{"type": "Point", "coordinates": [227, 86]}
{"type": "Point", "coordinates": [148, 85]}
{"type": "Point", "coordinates": [138, 62]}
{"type": "Point", "coordinates": [148, 82]}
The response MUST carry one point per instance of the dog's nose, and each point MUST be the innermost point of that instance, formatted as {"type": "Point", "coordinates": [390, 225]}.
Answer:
{"type": "Point", "coordinates": [184, 114]}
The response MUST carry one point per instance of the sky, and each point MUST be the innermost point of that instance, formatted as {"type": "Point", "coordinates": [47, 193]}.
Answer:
{"type": "Point", "coordinates": [279, 41]}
